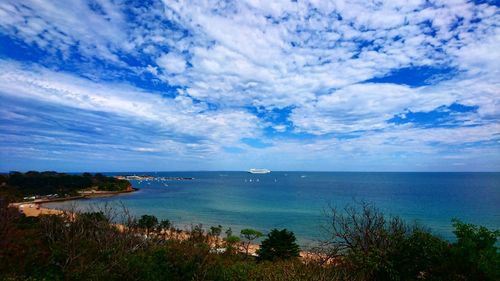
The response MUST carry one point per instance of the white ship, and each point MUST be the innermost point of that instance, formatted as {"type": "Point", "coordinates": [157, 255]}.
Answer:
{"type": "Point", "coordinates": [259, 171]}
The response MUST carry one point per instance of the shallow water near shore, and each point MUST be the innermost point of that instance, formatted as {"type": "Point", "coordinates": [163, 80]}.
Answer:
{"type": "Point", "coordinates": [296, 200]}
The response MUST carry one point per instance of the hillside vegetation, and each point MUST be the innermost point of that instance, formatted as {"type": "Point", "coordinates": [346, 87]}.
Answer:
{"type": "Point", "coordinates": [33, 183]}
{"type": "Point", "coordinates": [360, 244]}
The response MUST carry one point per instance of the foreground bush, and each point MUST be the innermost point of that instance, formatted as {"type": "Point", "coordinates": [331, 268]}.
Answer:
{"type": "Point", "coordinates": [475, 254]}
{"type": "Point", "coordinates": [362, 244]}
{"type": "Point", "coordinates": [279, 245]}
{"type": "Point", "coordinates": [376, 247]}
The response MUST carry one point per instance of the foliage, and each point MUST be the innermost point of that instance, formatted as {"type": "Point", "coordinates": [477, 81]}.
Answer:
{"type": "Point", "coordinates": [197, 235]}
{"type": "Point", "coordinates": [68, 247]}
{"type": "Point", "coordinates": [279, 245]}
{"type": "Point", "coordinates": [367, 239]}
{"type": "Point", "coordinates": [94, 217]}
{"type": "Point", "coordinates": [229, 232]}
{"type": "Point", "coordinates": [44, 183]}
{"type": "Point", "coordinates": [421, 254]}
{"type": "Point", "coordinates": [87, 246]}
{"type": "Point", "coordinates": [378, 247]}
{"type": "Point", "coordinates": [232, 239]}
{"type": "Point", "coordinates": [249, 235]}
{"type": "Point", "coordinates": [232, 243]}
{"type": "Point", "coordinates": [165, 224]}
{"type": "Point", "coordinates": [475, 254]}
{"type": "Point", "coordinates": [216, 230]}
{"type": "Point", "coordinates": [22, 252]}
{"type": "Point", "coordinates": [147, 222]}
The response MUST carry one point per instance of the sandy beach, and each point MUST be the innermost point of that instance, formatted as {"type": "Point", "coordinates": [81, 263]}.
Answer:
{"type": "Point", "coordinates": [34, 210]}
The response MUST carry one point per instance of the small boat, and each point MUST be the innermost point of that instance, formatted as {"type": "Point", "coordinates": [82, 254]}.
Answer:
{"type": "Point", "coordinates": [259, 171]}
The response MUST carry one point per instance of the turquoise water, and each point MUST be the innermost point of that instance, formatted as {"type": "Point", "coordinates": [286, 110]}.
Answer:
{"type": "Point", "coordinates": [296, 200]}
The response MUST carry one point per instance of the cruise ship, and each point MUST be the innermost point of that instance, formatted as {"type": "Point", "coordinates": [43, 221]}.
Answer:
{"type": "Point", "coordinates": [259, 171]}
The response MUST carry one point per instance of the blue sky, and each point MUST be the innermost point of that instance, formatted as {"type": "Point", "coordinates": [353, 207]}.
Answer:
{"type": "Point", "coordinates": [214, 85]}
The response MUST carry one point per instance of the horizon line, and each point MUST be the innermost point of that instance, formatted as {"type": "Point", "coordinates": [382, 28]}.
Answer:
{"type": "Point", "coordinates": [272, 171]}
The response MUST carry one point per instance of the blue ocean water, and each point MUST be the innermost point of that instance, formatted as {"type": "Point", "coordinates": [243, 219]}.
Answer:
{"type": "Point", "coordinates": [297, 200]}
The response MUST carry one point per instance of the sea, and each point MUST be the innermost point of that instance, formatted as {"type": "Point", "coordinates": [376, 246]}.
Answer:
{"type": "Point", "coordinates": [301, 201]}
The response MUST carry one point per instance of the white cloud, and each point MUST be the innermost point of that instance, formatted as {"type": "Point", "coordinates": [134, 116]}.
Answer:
{"type": "Point", "coordinates": [172, 63]}
{"type": "Point", "coordinates": [260, 53]}
{"type": "Point", "coordinates": [241, 56]}
{"type": "Point", "coordinates": [179, 115]}
{"type": "Point", "coordinates": [363, 107]}
{"type": "Point", "coordinates": [310, 56]}
{"type": "Point", "coordinates": [56, 27]}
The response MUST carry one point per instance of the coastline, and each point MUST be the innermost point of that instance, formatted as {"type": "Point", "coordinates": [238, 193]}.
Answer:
{"type": "Point", "coordinates": [31, 209]}
{"type": "Point", "coordinates": [34, 208]}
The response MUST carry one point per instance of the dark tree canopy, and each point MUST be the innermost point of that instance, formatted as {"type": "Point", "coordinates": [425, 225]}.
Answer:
{"type": "Point", "coordinates": [216, 230]}
{"type": "Point", "coordinates": [165, 224]}
{"type": "Point", "coordinates": [49, 182]}
{"type": "Point", "coordinates": [279, 245]}
{"type": "Point", "coordinates": [476, 253]}
{"type": "Point", "coordinates": [147, 221]}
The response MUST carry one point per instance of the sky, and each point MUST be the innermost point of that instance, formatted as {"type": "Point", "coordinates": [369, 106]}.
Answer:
{"type": "Point", "coordinates": [216, 85]}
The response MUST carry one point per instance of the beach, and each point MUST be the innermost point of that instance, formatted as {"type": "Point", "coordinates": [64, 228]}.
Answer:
{"type": "Point", "coordinates": [34, 209]}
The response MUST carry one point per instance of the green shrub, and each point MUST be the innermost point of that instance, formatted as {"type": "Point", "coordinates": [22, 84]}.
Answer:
{"type": "Point", "coordinates": [279, 245]}
{"type": "Point", "coordinates": [422, 255]}
{"type": "Point", "coordinates": [475, 254]}
{"type": "Point", "coordinates": [147, 222]}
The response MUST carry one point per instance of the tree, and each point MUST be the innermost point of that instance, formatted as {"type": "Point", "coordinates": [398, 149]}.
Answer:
{"type": "Point", "coordinates": [197, 234]}
{"type": "Point", "coordinates": [94, 217]}
{"type": "Point", "coordinates": [232, 243]}
{"type": "Point", "coordinates": [366, 239]}
{"type": "Point", "coordinates": [475, 254]}
{"type": "Point", "coordinates": [214, 235]}
{"type": "Point", "coordinates": [165, 224]}
{"type": "Point", "coordinates": [164, 227]}
{"type": "Point", "coordinates": [147, 222]}
{"type": "Point", "coordinates": [422, 254]}
{"type": "Point", "coordinates": [229, 232]}
{"type": "Point", "coordinates": [279, 245]}
{"type": "Point", "coordinates": [249, 235]}
{"type": "Point", "coordinates": [216, 230]}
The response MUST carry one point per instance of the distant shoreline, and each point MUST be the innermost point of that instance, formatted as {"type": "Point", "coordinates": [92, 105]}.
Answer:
{"type": "Point", "coordinates": [33, 206]}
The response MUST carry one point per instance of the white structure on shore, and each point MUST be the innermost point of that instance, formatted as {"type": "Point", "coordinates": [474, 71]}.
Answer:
{"type": "Point", "coordinates": [259, 171]}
